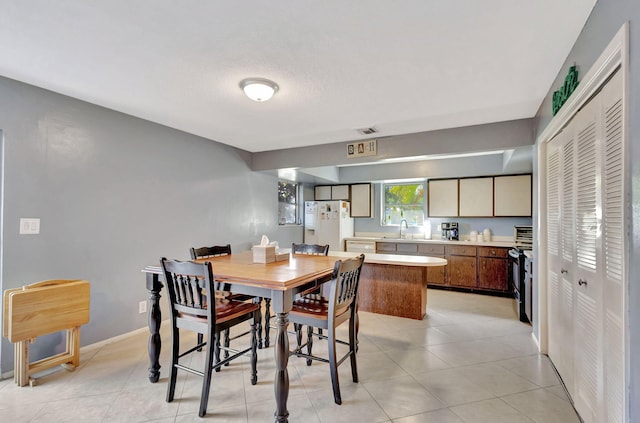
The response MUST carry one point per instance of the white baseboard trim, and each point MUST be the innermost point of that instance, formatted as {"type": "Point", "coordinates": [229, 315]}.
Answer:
{"type": "Point", "coordinates": [99, 344]}
{"type": "Point", "coordinates": [533, 335]}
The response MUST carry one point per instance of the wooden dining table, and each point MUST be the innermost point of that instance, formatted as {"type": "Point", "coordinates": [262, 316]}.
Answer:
{"type": "Point", "coordinates": [280, 281]}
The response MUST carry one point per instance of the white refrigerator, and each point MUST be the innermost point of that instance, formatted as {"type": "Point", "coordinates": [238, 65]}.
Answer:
{"type": "Point", "coordinates": [328, 222]}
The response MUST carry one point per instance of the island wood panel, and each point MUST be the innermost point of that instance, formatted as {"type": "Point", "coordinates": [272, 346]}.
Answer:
{"type": "Point", "coordinates": [393, 290]}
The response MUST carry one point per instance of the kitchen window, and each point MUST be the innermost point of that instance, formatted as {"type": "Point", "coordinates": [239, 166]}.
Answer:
{"type": "Point", "coordinates": [403, 201]}
{"type": "Point", "coordinates": [288, 204]}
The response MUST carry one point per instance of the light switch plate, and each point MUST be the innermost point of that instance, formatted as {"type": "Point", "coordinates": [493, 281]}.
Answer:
{"type": "Point", "coordinates": [29, 226]}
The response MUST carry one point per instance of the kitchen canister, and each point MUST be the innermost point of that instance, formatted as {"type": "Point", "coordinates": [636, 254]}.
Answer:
{"type": "Point", "coordinates": [486, 234]}
{"type": "Point", "coordinates": [473, 236]}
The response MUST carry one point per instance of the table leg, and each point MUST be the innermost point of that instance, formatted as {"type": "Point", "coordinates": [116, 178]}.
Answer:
{"type": "Point", "coordinates": [154, 286]}
{"type": "Point", "coordinates": [267, 321]}
{"type": "Point", "coordinates": [281, 348]}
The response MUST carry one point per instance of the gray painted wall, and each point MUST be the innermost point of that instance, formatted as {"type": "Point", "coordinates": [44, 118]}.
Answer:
{"type": "Point", "coordinates": [604, 22]}
{"type": "Point", "coordinates": [443, 168]}
{"type": "Point", "coordinates": [115, 193]}
{"type": "Point", "coordinates": [493, 136]}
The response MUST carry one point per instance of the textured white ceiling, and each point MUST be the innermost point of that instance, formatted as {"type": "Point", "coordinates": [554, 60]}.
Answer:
{"type": "Point", "coordinates": [402, 67]}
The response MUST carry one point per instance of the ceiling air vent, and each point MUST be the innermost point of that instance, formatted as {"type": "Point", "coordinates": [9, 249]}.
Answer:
{"type": "Point", "coordinates": [367, 131]}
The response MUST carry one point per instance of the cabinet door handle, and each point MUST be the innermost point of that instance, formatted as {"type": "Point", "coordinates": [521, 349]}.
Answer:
{"type": "Point", "coordinates": [582, 282]}
{"type": "Point", "coordinates": [564, 271]}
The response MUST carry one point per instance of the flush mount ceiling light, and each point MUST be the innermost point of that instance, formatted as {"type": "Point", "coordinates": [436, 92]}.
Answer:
{"type": "Point", "coordinates": [258, 89]}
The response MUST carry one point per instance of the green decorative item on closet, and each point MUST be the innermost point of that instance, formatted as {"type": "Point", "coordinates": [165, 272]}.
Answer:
{"type": "Point", "coordinates": [562, 95]}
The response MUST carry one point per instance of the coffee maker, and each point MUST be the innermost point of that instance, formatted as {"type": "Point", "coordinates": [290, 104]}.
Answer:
{"type": "Point", "coordinates": [453, 231]}
{"type": "Point", "coordinates": [449, 231]}
{"type": "Point", "coordinates": [444, 226]}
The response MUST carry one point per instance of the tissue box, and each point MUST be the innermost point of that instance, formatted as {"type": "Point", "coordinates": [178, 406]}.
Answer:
{"type": "Point", "coordinates": [282, 256]}
{"type": "Point", "coordinates": [264, 254]}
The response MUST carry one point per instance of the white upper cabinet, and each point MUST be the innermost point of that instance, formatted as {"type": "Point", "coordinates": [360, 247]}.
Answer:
{"type": "Point", "coordinates": [322, 192]}
{"type": "Point", "coordinates": [360, 196]}
{"type": "Point", "coordinates": [512, 195]}
{"type": "Point", "coordinates": [443, 198]}
{"type": "Point", "coordinates": [476, 197]}
{"type": "Point", "coordinates": [487, 196]}
{"type": "Point", "coordinates": [361, 204]}
{"type": "Point", "coordinates": [340, 192]}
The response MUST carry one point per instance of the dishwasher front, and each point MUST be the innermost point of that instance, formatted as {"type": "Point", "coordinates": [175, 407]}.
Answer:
{"type": "Point", "coordinates": [361, 246]}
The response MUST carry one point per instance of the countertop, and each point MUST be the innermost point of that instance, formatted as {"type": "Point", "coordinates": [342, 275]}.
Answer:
{"type": "Point", "coordinates": [505, 244]}
{"type": "Point", "coordinates": [397, 259]}
{"type": "Point", "coordinates": [375, 258]}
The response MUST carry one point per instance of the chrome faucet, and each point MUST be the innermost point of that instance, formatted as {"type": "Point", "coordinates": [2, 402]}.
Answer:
{"type": "Point", "coordinates": [406, 225]}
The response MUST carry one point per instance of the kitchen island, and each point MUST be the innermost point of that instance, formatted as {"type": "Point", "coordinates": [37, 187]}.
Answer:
{"type": "Point", "coordinates": [394, 284]}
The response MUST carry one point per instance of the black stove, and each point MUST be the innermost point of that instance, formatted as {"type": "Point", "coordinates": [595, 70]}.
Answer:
{"type": "Point", "coordinates": [517, 282]}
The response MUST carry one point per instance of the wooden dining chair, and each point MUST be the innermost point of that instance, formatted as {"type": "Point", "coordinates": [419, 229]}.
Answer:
{"type": "Point", "coordinates": [224, 289]}
{"type": "Point", "coordinates": [306, 249]}
{"type": "Point", "coordinates": [329, 313]}
{"type": "Point", "coordinates": [195, 307]}
{"type": "Point", "coordinates": [311, 250]}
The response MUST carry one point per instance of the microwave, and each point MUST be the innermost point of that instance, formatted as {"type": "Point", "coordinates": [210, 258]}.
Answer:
{"type": "Point", "coordinates": [523, 237]}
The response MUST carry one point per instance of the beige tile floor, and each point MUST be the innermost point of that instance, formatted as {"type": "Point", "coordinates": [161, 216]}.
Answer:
{"type": "Point", "coordinates": [469, 361]}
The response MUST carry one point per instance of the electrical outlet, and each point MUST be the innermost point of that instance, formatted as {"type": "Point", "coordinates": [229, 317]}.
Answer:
{"type": "Point", "coordinates": [29, 226]}
{"type": "Point", "coordinates": [142, 307]}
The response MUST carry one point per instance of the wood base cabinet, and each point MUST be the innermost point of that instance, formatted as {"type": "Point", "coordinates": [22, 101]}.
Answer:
{"type": "Point", "coordinates": [493, 268]}
{"type": "Point", "coordinates": [461, 271]}
{"type": "Point", "coordinates": [435, 275]}
{"type": "Point", "coordinates": [492, 273]}
{"type": "Point", "coordinates": [470, 267]}
{"type": "Point", "coordinates": [461, 266]}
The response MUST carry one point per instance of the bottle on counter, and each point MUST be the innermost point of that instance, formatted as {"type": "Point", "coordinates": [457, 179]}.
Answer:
{"type": "Point", "coordinates": [486, 234]}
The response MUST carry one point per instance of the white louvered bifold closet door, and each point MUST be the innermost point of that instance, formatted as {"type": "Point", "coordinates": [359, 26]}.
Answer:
{"type": "Point", "coordinates": [553, 255]}
{"type": "Point", "coordinates": [613, 244]}
{"type": "Point", "coordinates": [560, 251]}
{"type": "Point", "coordinates": [586, 255]}
{"type": "Point", "coordinates": [587, 283]}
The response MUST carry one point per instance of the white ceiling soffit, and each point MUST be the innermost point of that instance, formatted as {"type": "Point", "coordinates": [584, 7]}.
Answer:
{"type": "Point", "coordinates": [401, 67]}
